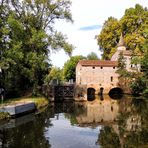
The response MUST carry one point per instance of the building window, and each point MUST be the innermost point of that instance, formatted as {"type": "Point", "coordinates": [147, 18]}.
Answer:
{"type": "Point", "coordinates": [131, 66]}
{"type": "Point", "coordinates": [111, 79]}
{"type": "Point", "coordinates": [113, 67]}
{"type": "Point", "coordinates": [101, 67]}
{"type": "Point", "coordinates": [93, 67]}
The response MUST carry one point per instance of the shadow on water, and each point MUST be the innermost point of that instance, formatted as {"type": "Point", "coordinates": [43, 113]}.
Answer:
{"type": "Point", "coordinates": [116, 96]}
{"type": "Point", "coordinates": [116, 93]}
{"type": "Point", "coordinates": [90, 94]}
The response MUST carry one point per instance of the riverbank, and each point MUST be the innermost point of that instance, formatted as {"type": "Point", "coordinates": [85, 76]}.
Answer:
{"type": "Point", "coordinates": [40, 103]}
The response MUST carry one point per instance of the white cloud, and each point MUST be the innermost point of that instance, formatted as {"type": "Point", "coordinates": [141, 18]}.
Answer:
{"type": "Point", "coordinates": [88, 13]}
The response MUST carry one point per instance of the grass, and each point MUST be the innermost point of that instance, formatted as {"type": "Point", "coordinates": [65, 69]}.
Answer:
{"type": "Point", "coordinates": [39, 101]}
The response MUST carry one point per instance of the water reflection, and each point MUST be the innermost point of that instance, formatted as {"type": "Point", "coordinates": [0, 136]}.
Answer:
{"type": "Point", "coordinates": [99, 111]}
{"type": "Point", "coordinates": [103, 122]}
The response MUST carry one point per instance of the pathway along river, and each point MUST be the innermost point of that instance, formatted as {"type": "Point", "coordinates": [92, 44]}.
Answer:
{"type": "Point", "coordinates": [104, 122]}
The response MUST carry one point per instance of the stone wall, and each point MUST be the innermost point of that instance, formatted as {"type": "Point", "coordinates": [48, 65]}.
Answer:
{"type": "Point", "coordinates": [97, 77]}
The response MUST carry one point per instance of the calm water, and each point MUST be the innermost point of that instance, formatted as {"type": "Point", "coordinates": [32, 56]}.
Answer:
{"type": "Point", "coordinates": [104, 123]}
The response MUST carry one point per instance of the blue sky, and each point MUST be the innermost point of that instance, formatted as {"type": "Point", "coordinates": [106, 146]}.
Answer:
{"type": "Point", "coordinates": [91, 27]}
{"type": "Point", "coordinates": [89, 17]}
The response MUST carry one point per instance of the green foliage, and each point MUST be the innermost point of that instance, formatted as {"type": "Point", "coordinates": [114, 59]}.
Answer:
{"type": "Point", "coordinates": [92, 56]}
{"type": "Point", "coordinates": [54, 74]}
{"type": "Point", "coordinates": [108, 138]}
{"type": "Point", "coordinates": [109, 37]}
{"type": "Point", "coordinates": [27, 35]}
{"type": "Point", "coordinates": [4, 115]}
{"type": "Point", "coordinates": [132, 25]}
{"type": "Point", "coordinates": [144, 60]}
{"type": "Point", "coordinates": [138, 85]}
{"type": "Point", "coordinates": [70, 66]}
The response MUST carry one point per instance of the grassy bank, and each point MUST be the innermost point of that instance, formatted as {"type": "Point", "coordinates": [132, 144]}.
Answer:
{"type": "Point", "coordinates": [40, 103]}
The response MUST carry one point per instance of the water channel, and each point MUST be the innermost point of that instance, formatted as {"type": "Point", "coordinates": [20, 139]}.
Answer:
{"type": "Point", "coordinates": [103, 122]}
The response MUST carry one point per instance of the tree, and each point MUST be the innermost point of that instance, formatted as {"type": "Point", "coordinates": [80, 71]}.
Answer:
{"type": "Point", "coordinates": [28, 38]}
{"type": "Point", "coordinates": [92, 56]}
{"type": "Point", "coordinates": [144, 60]}
{"type": "Point", "coordinates": [54, 74]}
{"type": "Point", "coordinates": [70, 66]}
{"type": "Point", "coordinates": [140, 83]}
{"type": "Point", "coordinates": [132, 25]}
{"type": "Point", "coordinates": [125, 77]}
{"type": "Point", "coordinates": [109, 37]}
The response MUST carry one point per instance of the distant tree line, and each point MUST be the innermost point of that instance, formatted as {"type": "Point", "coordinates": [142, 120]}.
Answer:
{"type": "Point", "coordinates": [68, 71]}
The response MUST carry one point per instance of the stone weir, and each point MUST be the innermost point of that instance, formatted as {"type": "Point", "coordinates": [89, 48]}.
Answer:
{"type": "Point", "coordinates": [19, 109]}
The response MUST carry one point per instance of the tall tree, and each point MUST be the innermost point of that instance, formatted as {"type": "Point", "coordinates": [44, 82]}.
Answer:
{"type": "Point", "coordinates": [30, 36]}
{"type": "Point", "coordinates": [132, 25]}
{"type": "Point", "coordinates": [109, 37]}
{"type": "Point", "coordinates": [139, 84]}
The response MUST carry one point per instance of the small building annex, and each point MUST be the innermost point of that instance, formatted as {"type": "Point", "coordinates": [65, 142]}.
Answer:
{"type": "Point", "coordinates": [101, 74]}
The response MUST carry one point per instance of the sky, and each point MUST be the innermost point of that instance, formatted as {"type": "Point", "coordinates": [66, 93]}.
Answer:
{"type": "Point", "coordinates": [89, 17]}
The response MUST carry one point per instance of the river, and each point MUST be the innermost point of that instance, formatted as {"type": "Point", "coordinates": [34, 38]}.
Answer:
{"type": "Point", "coordinates": [103, 122]}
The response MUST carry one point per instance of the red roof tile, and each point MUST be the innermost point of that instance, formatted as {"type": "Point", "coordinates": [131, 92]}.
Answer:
{"type": "Point", "coordinates": [106, 63]}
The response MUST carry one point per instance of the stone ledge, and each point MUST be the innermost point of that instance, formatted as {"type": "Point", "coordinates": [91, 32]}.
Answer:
{"type": "Point", "coordinates": [21, 108]}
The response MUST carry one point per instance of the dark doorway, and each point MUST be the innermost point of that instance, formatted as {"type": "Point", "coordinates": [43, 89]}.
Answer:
{"type": "Point", "coordinates": [116, 93]}
{"type": "Point", "coordinates": [90, 94]}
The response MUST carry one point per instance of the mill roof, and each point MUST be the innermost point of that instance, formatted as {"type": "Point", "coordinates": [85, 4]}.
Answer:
{"type": "Point", "coordinates": [104, 63]}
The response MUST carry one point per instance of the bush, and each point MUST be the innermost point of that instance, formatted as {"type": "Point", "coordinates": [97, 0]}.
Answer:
{"type": "Point", "coordinates": [138, 86]}
{"type": "Point", "coordinates": [4, 115]}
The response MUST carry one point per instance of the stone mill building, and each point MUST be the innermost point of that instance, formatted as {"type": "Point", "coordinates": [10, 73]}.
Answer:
{"type": "Point", "coordinates": [101, 75]}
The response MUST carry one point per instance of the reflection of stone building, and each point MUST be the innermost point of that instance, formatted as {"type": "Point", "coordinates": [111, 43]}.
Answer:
{"type": "Point", "coordinates": [99, 74]}
{"type": "Point", "coordinates": [121, 124]}
{"type": "Point", "coordinates": [105, 111]}
{"type": "Point", "coordinates": [109, 112]}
